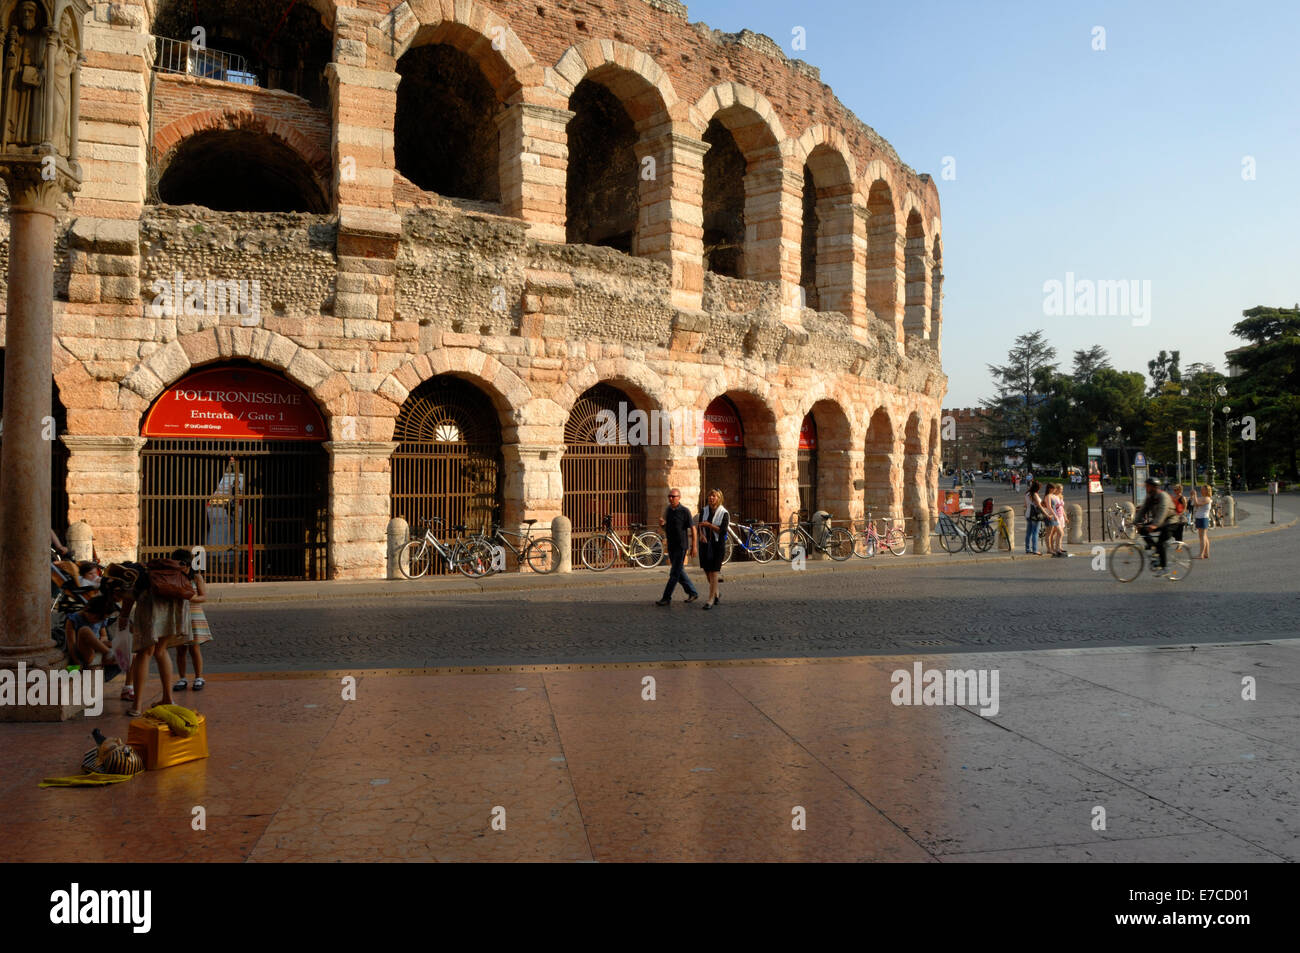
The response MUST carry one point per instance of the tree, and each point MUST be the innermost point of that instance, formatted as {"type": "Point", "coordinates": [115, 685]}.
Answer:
{"type": "Point", "coordinates": [1022, 385]}
{"type": "Point", "coordinates": [1089, 362]}
{"type": "Point", "coordinates": [1268, 387]}
{"type": "Point", "coordinates": [1162, 370]}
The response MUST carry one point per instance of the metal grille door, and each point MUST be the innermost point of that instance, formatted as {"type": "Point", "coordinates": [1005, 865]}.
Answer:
{"type": "Point", "coordinates": [258, 507]}
{"type": "Point", "coordinates": [601, 477]}
{"type": "Point", "coordinates": [808, 481]}
{"type": "Point", "coordinates": [448, 461]}
{"type": "Point", "coordinates": [759, 488]}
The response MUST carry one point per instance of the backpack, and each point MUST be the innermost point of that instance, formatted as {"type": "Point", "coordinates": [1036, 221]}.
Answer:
{"type": "Point", "coordinates": [169, 580]}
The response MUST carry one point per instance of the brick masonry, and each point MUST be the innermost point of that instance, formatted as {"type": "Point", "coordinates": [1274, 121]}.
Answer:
{"type": "Point", "coordinates": [395, 286]}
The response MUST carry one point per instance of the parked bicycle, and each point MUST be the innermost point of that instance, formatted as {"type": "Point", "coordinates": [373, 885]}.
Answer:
{"type": "Point", "coordinates": [1118, 523]}
{"type": "Point", "coordinates": [469, 557]}
{"type": "Point", "coordinates": [644, 548]}
{"type": "Point", "coordinates": [539, 553]}
{"type": "Point", "coordinates": [835, 541]}
{"type": "Point", "coordinates": [1127, 559]}
{"type": "Point", "coordinates": [954, 536]}
{"type": "Point", "coordinates": [868, 541]}
{"type": "Point", "coordinates": [758, 540]}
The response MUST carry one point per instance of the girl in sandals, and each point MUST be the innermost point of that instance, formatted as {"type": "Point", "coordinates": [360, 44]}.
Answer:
{"type": "Point", "coordinates": [199, 633]}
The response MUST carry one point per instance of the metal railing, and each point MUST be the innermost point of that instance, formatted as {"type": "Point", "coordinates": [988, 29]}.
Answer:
{"type": "Point", "coordinates": [183, 57]}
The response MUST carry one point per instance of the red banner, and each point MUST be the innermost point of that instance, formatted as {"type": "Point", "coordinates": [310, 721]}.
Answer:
{"type": "Point", "coordinates": [722, 426]}
{"type": "Point", "coordinates": [808, 434]}
{"type": "Point", "coordinates": [235, 404]}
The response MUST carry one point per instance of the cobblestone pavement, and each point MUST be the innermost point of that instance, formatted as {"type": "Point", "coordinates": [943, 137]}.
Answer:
{"type": "Point", "coordinates": [1247, 591]}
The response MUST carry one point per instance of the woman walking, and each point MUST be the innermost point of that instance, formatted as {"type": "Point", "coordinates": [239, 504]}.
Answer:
{"type": "Point", "coordinates": [1201, 501]}
{"type": "Point", "coordinates": [156, 621]}
{"type": "Point", "coordinates": [1056, 505]}
{"type": "Point", "coordinates": [712, 529]}
{"type": "Point", "coordinates": [1035, 514]}
{"type": "Point", "coordinates": [199, 633]}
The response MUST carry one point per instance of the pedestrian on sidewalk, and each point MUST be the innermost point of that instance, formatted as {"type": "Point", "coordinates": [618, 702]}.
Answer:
{"type": "Point", "coordinates": [1181, 508]}
{"type": "Point", "coordinates": [712, 531]}
{"type": "Point", "coordinates": [1035, 516]}
{"type": "Point", "coordinates": [158, 618]}
{"type": "Point", "coordinates": [1201, 501]}
{"type": "Point", "coordinates": [199, 633]}
{"type": "Point", "coordinates": [680, 534]}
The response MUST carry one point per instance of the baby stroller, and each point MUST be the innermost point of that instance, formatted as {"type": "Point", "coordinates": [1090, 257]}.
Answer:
{"type": "Point", "coordinates": [67, 596]}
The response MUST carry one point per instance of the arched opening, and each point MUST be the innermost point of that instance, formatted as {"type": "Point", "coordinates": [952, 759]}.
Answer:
{"type": "Point", "coordinates": [832, 469]}
{"type": "Point", "coordinates": [233, 462]}
{"type": "Point", "coordinates": [916, 314]}
{"type": "Point", "coordinates": [240, 170]}
{"type": "Point", "coordinates": [936, 292]}
{"type": "Point", "coordinates": [807, 466]}
{"type": "Point", "coordinates": [882, 253]}
{"type": "Point", "coordinates": [448, 463]}
{"type": "Point", "coordinates": [604, 463]}
{"type": "Point", "coordinates": [879, 494]}
{"type": "Point", "coordinates": [808, 241]}
{"type": "Point", "coordinates": [445, 133]}
{"type": "Point", "coordinates": [58, 454]}
{"type": "Point", "coordinates": [602, 185]}
{"type": "Point", "coordinates": [738, 455]}
{"type": "Point", "coordinates": [724, 202]}
{"type": "Point", "coordinates": [275, 44]}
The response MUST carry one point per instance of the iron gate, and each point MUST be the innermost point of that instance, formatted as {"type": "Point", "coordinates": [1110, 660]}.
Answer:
{"type": "Point", "coordinates": [600, 478]}
{"type": "Point", "coordinates": [760, 488]}
{"type": "Point", "coordinates": [258, 507]}
{"type": "Point", "coordinates": [448, 460]}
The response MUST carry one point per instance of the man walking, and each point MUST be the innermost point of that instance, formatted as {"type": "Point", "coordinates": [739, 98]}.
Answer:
{"type": "Point", "coordinates": [676, 522]}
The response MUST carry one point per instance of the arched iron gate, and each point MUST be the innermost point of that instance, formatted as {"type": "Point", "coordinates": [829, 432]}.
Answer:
{"type": "Point", "coordinates": [600, 478]}
{"type": "Point", "coordinates": [448, 460]}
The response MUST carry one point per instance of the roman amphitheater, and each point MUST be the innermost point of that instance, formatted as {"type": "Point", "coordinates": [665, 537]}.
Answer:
{"type": "Point", "coordinates": [338, 262]}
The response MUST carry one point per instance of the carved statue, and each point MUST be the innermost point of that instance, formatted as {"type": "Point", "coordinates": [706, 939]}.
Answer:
{"type": "Point", "coordinates": [65, 60]}
{"type": "Point", "coordinates": [24, 59]}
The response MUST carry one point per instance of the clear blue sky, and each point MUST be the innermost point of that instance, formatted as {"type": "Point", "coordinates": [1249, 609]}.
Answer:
{"type": "Point", "coordinates": [1120, 164]}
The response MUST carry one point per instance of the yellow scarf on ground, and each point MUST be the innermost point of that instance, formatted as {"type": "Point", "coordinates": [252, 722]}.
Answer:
{"type": "Point", "coordinates": [85, 780]}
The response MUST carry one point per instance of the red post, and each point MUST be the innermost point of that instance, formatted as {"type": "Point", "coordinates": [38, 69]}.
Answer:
{"type": "Point", "coordinates": [250, 552]}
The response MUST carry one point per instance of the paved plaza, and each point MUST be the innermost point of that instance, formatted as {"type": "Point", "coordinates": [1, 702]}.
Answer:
{"type": "Point", "coordinates": [492, 721]}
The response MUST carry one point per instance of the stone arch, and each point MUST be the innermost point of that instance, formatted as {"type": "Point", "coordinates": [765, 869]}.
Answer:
{"type": "Point", "coordinates": [880, 470]}
{"type": "Point", "coordinates": [509, 394]}
{"type": "Point", "coordinates": [835, 456]}
{"type": "Point", "coordinates": [473, 29]}
{"type": "Point", "coordinates": [638, 380]}
{"type": "Point", "coordinates": [884, 277]}
{"type": "Point", "coordinates": [231, 132]}
{"type": "Point", "coordinates": [634, 77]}
{"type": "Point", "coordinates": [742, 173]}
{"type": "Point", "coordinates": [826, 262]}
{"type": "Point", "coordinates": [328, 388]}
{"type": "Point", "coordinates": [916, 313]}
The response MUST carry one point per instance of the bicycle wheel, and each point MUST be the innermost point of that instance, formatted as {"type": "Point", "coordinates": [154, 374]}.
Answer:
{"type": "Point", "coordinates": [1178, 556]}
{"type": "Point", "coordinates": [981, 538]}
{"type": "Point", "coordinates": [1126, 561]}
{"type": "Point", "coordinates": [648, 550]}
{"type": "Point", "coordinates": [542, 555]}
{"type": "Point", "coordinates": [472, 558]}
{"type": "Point", "coordinates": [863, 545]}
{"type": "Point", "coordinates": [1128, 527]}
{"type": "Point", "coordinates": [839, 543]}
{"type": "Point", "coordinates": [728, 549]}
{"type": "Point", "coordinates": [895, 541]}
{"type": "Point", "coordinates": [762, 545]}
{"type": "Point", "coordinates": [786, 541]}
{"type": "Point", "coordinates": [415, 559]}
{"type": "Point", "coordinates": [950, 538]}
{"type": "Point", "coordinates": [598, 553]}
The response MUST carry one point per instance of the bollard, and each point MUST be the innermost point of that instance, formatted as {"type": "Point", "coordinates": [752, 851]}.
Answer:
{"type": "Point", "coordinates": [921, 533]}
{"type": "Point", "coordinates": [398, 536]}
{"type": "Point", "coordinates": [1008, 515]}
{"type": "Point", "coordinates": [1074, 513]}
{"type": "Point", "coordinates": [1229, 511]}
{"type": "Point", "coordinates": [81, 543]}
{"type": "Point", "coordinates": [562, 535]}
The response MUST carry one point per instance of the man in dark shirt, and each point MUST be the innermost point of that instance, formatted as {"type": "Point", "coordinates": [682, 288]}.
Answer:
{"type": "Point", "coordinates": [676, 522]}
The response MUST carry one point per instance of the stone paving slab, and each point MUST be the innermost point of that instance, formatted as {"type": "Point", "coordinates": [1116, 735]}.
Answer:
{"type": "Point", "coordinates": [718, 766]}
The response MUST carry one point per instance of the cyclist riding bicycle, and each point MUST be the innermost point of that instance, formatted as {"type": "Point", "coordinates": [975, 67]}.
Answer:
{"type": "Point", "coordinates": [1154, 515]}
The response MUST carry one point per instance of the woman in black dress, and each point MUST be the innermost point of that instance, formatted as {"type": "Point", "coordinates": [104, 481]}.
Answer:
{"type": "Point", "coordinates": [712, 529]}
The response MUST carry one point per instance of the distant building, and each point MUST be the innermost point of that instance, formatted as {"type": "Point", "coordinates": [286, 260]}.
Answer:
{"type": "Point", "coordinates": [964, 438]}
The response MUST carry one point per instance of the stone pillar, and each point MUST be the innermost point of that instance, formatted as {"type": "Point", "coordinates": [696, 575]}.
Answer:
{"type": "Point", "coordinates": [1229, 510]}
{"type": "Point", "coordinates": [360, 495]}
{"type": "Point", "coordinates": [102, 472]}
{"type": "Point", "coordinates": [916, 313]}
{"type": "Point", "coordinates": [534, 164]}
{"type": "Point", "coordinates": [921, 525]}
{"type": "Point", "coordinates": [399, 534]}
{"type": "Point", "coordinates": [835, 249]}
{"type": "Point", "coordinates": [81, 542]}
{"type": "Point", "coordinates": [1074, 513]}
{"type": "Point", "coordinates": [364, 109]}
{"type": "Point", "coordinates": [790, 244]}
{"type": "Point", "coordinates": [562, 536]}
{"type": "Point", "coordinates": [670, 227]}
{"type": "Point", "coordinates": [25, 454]}
{"type": "Point", "coordinates": [534, 486]}
{"type": "Point", "coordinates": [765, 226]}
